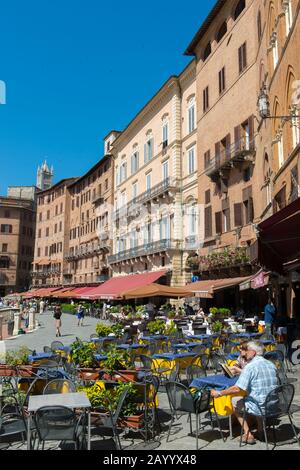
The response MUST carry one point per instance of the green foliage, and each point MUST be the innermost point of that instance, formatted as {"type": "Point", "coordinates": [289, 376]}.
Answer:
{"type": "Point", "coordinates": [171, 328]}
{"type": "Point", "coordinates": [217, 326]}
{"type": "Point", "coordinates": [227, 257]}
{"type": "Point", "coordinates": [117, 359]}
{"type": "Point", "coordinates": [114, 309]}
{"type": "Point", "coordinates": [82, 354]}
{"type": "Point", "coordinates": [103, 330]}
{"type": "Point", "coordinates": [117, 329]}
{"type": "Point", "coordinates": [226, 312]}
{"type": "Point", "coordinates": [171, 314]}
{"type": "Point", "coordinates": [157, 327]}
{"type": "Point", "coordinates": [107, 400]}
{"type": "Point", "coordinates": [18, 357]}
{"type": "Point", "coordinates": [68, 308]}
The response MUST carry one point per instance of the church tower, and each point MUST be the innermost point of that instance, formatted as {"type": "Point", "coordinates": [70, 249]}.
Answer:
{"type": "Point", "coordinates": [44, 176]}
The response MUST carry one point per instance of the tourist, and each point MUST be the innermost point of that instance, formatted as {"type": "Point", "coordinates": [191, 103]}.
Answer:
{"type": "Point", "coordinates": [241, 361]}
{"type": "Point", "coordinates": [25, 316]}
{"type": "Point", "coordinates": [42, 306]}
{"type": "Point", "coordinates": [80, 315]}
{"type": "Point", "coordinates": [258, 379]}
{"type": "Point", "coordinates": [270, 315]}
{"type": "Point", "coordinates": [57, 316]}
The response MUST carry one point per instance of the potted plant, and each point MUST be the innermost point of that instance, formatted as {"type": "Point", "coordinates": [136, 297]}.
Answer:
{"type": "Point", "coordinates": [19, 361]}
{"type": "Point", "coordinates": [156, 327]}
{"type": "Point", "coordinates": [82, 355]}
{"type": "Point", "coordinates": [217, 327]}
{"type": "Point", "coordinates": [103, 330]}
{"type": "Point", "coordinates": [119, 360]}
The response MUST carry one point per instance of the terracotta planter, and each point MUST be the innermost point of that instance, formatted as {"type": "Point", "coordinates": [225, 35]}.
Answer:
{"type": "Point", "coordinates": [124, 376]}
{"type": "Point", "coordinates": [7, 371]}
{"type": "Point", "coordinates": [135, 422]}
{"type": "Point", "coordinates": [26, 370]}
{"type": "Point", "coordinates": [88, 374]}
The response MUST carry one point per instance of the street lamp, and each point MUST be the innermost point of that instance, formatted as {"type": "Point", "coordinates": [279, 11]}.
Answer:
{"type": "Point", "coordinates": [263, 105]}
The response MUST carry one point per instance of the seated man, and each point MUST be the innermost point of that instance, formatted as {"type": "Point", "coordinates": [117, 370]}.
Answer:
{"type": "Point", "coordinates": [258, 379]}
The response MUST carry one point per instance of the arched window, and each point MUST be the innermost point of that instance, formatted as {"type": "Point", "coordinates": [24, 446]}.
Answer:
{"type": "Point", "coordinates": [239, 8]}
{"type": "Point", "coordinates": [259, 27]}
{"type": "Point", "coordinates": [287, 6]}
{"type": "Point", "coordinates": [207, 51]}
{"type": "Point", "coordinates": [222, 31]}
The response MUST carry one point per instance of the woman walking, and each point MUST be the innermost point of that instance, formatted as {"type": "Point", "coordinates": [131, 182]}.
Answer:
{"type": "Point", "coordinates": [80, 315]}
{"type": "Point", "coordinates": [57, 315]}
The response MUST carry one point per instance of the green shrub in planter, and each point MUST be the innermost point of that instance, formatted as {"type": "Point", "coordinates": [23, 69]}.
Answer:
{"type": "Point", "coordinates": [226, 312]}
{"type": "Point", "coordinates": [103, 330]}
{"type": "Point", "coordinates": [217, 326]}
{"type": "Point", "coordinates": [82, 354]}
{"type": "Point", "coordinates": [18, 357]}
{"type": "Point", "coordinates": [117, 329]}
{"type": "Point", "coordinates": [157, 327]}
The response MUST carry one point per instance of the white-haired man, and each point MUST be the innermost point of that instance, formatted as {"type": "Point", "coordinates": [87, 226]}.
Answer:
{"type": "Point", "coordinates": [258, 379]}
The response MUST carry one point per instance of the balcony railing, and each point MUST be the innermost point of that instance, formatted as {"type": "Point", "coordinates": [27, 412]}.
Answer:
{"type": "Point", "coordinates": [43, 274]}
{"type": "Point", "coordinates": [98, 198]}
{"type": "Point", "coordinates": [238, 152]}
{"type": "Point", "coordinates": [144, 250]}
{"type": "Point", "coordinates": [157, 190]}
{"type": "Point", "coordinates": [102, 278]}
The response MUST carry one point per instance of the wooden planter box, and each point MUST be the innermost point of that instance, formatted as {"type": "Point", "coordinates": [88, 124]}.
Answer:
{"type": "Point", "coordinates": [124, 376]}
{"type": "Point", "coordinates": [26, 370]}
{"type": "Point", "coordinates": [134, 422]}
{"type": "Point", "coordinates": [7, 371]}
{"type": "Point", "coordinates": [88, 374]}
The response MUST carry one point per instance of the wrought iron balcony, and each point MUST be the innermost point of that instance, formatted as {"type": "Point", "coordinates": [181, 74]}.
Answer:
{"type": "Point", "coordinates": [144, 250]}
{"type": "Point", "coordinates": [46, 273]}
{"type": "Point", "coordinates": [230, 157]}
{"type": "Point", "coordinates": [98, 198]}
{"type": "Point", "coordinates": [102, 278]}
{"type": "Point", "coordinates": [169, 184]}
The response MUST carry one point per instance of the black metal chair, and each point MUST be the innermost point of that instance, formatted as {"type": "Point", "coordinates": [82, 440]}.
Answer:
{"type": "Point", "coordinates": [277, 404]}
{"type": "Point", "coordinates": [108, 424]}
{"type": "Point", "coordinates": [93, 336]}
{"type": "Point", "coordinates": [59, 386]}
{"type": "Point", "coordinates": [55, 345]}
{"type": "Point", "coordinates": [59, 423]}
{"type": "Point", "coordinates": [182, 400]}
{"type": "Point", "coordinates": [12, 423]}
{"type": "Point", "coordinates": [47, 349]}
{"type": "Point", "coordinates": [194, 371]}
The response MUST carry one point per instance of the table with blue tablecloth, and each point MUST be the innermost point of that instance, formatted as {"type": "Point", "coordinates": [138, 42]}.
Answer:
{"type": "Point", "coordinates": [39, 356]}
{"type": "Point", "coordinates": [104, 338]}
{"type": "Point", "coordinates": [169, 360]}
{"type": "Point", "coordinates": [155, 338]}
{"type": "Point", "coordinates": [223, 405]}
{"type": "Point", "coordinates": [247, 335]}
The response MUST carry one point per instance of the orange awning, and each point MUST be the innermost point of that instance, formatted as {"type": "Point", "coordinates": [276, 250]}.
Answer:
{"type": "Point", "coordinates": [113, 288]}
{"type": "Point", "coordinates": [207, 288]}
{"type": "Point", "coordinates": [156, 290]}
{"type": "Point", "coordinates": [42, 262]}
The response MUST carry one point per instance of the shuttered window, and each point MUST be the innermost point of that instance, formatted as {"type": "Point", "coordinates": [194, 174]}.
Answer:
{"type": "Point", "coordinates": [207, 159]}
{"type": "Point", "coordinates": [207, 196]}
{"type": "Point", "coordinates": [242, 57]}
{"type": "Point", "coordinates": [205, 99]}
{"type": "Point", "coordinates": [222, 84]}
{"type": "Point", "coordinates": [208, 222]}
{"type": "Point", "coordinates": [218, 220]}
{"type": "Point", "coordinates": [238, 215]}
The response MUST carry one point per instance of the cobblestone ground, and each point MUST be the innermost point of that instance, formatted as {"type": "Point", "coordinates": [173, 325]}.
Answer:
{"type": "Point", "coordinates": [180, 438]}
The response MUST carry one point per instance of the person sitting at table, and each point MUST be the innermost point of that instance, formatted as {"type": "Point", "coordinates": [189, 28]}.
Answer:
{"type": "Point", "coordinates": [241, 361]}
{"type": "Point", "coordinates": [258, 379]}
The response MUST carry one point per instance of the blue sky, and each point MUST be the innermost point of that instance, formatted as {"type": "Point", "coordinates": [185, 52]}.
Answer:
{"type": "Point", "coordinates": [76, 69]}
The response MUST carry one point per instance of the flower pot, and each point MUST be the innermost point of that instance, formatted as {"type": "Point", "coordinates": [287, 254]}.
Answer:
{"type": "Point", "coordinates": [88, 374]}
{"type": "Point", "coordinates": [7, 371]}
{"type": "Point", "coordinates": [134, 422]}
{"type": "Point", "coordinates": [26, 370]}
{"type": "Point", "coordinates": [126, 376]}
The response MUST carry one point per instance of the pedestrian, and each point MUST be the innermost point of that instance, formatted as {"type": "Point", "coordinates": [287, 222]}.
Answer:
{"type": "Point", "coordinates": [80, 315]}
{"type": "Point", "coordinates": [57, 316]}
{"type": "Point", "coordinates": [270, 315]}
{"type": "Point", "coordinates": [42, 306]}
{"type": "Point", "coordinates": [25, 316]}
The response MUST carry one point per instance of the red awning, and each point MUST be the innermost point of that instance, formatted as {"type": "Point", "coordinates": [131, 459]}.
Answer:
{"type": "Point", "coordinates": [46, 292]}
{"type": "Point", "coordinates": [279, 238]}
{"type": "Point", "coordinates": [79, 292]}
{"type": "Point", "coordinates": [113, 288]}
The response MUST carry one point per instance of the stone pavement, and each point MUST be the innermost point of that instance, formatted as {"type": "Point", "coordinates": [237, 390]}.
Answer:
{"type": "Point", "coordinates": [45, 334]}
